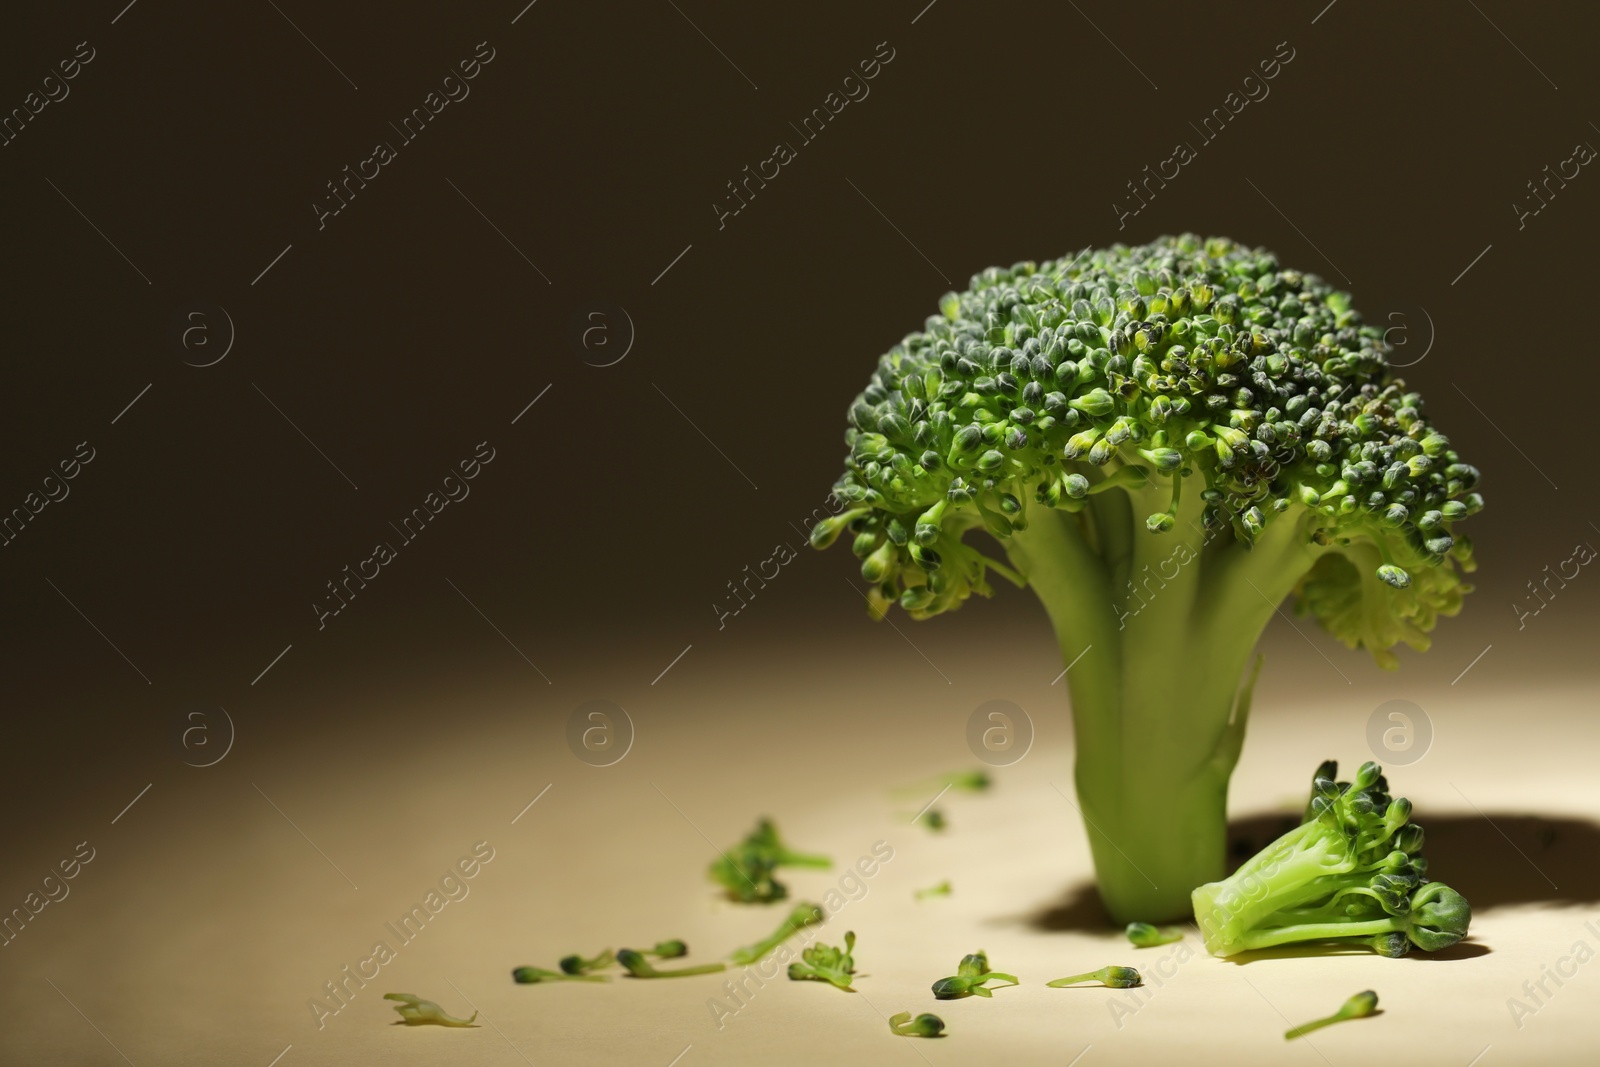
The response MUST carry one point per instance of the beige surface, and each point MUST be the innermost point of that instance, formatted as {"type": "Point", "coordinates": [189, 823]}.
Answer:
{"type": "Point", "coordinates": [205, 921]}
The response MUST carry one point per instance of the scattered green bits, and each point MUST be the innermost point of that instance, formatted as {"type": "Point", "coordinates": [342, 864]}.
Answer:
{"type": "Point", "coordinates": [824, 963]}
{"type": "Point", "coordinates": [1357, 1007]}
{"type": "Point", "coordinates": [1145, 935]}
{"type": "Point", "coordinates": [924, 1025]}
{"type": "Point", "coordinates": [1115, 977]}
{"type": "Point", "coordinates": [969, 979]}
{"type": "Point", "coordinates": [414, 1011]}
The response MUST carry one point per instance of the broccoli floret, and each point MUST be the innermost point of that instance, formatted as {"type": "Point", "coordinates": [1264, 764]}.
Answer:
{"type": "Point", "coordinates": [823, 963]}
{"type": "Point", "coordinates": [1166, 441]}
{"type": "Point", "coordinates": [745, 870]}
{"type": "Point", "coordinates": [530, 975]}
{"type": "Point", "coordinates": [414, 1011]}
{"type": "Point", "coordinates": [1115, 977]}
{"type": "Point", "coordinates": [1357, 1007]}
{"type": "Point", "coordinates": [1144, 935]}
{"type": "Point", "coordinates": [638, 967]}
{"type": "Point", "coordinates": [668, 950]}
{"type": "Point", "coordinates": [935, 820]}
{"type": "Point", "coordinates": [924, 1025]}
{"type": "Point", "coordinates": [969, 978]}
{"type": "Point", "coordinates": [956, 781]}
{"type": "Point", "coordinates": [940, 890]}
{"type": "Point", "coordinates": [1351, 874]}
{"type": "Point", "coordinates": [576, 964]}
{"type": "Point", "coordinates": [801, 916]}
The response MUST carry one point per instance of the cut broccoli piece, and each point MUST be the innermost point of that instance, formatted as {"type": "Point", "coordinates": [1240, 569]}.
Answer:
{"type": "Point", "coordinates": [1357, 1007]}
{"type": "Point", "coordinates": [801, 916]}
{"type": "Point", "coordinates": [530, 975]}
{"type": "Point", "coordinates": [1144, 935]}
{"type": "Point", "coordinates": [940, 890]}
{"type": "Point", "coordinates": [970, 977]}
{"type": "Point", "coordinates": [1188, 433]}
{"type": "Point", "coordinates": [414, 1011]}
{"type": "Point", "coordinates": [1115, 977]}
{"type": "Point", "coordinates": [924, 1025]}
{"type": "Point", "coordinates": [745, 871]}
{"type": "Point", "coordinates": [638, 967]}
{"type": "Point", "coordinates": [1351, 874]}
{"type": "Point", "coordinates": [576, 964]}
{"type": "Point", "coordinates": [823, 963]}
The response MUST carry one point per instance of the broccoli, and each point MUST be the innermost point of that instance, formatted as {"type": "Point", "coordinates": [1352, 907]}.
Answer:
{"type": "Point", "coordinates": [935, 820]}
{"type": "Point", "coordinates": [664, 950]}
{"type": "Point", "coordinates": [959, 781]}
{"type": "Point", "coordinates": [1166, 441]}
{"type": "Point", "coordinates": [576, 964]}
{"type": "Point", "coordinates": [414, 1011]}
{"type": "Point", "coordinates": [802, 915]}
{"type": "Point", "coordinates": [1143, 935]}
{"type": "Point", "coordinates": [1351, 874]}
{"type": "Point", "coordinates": [970, 975]}
{"type": "Point", "coordinates": [940, 890]}
{"type": "Point", "coordinates": [638, 967]}
{"type": "Point", "coordinates": [1115, 977]}
{"type": "Point", "coordinates": [1357, 1007]}
{"type": "Point", "coordinates": [823, 963]}
{"type": "Point", "coordinates": [924, 1025]}
{"type": "Point", "coordinates": [530, 975]}
{"type": "Point", "coordinates": [745, 870]}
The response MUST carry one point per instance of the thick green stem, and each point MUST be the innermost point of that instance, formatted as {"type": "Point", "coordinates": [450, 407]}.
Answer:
{"type": "Point", "coordinates": [1156, 715]}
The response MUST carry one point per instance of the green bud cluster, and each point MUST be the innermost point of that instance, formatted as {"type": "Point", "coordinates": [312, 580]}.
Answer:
{"type": "Point", "coordinates": [1129, 367]}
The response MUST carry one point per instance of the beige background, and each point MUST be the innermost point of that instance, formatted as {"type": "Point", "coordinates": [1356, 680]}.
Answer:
{"type": "Point", "coordinates": [205, 922]}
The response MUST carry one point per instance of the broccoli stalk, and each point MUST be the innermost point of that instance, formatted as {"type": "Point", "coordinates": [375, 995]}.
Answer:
{"type": "Point", "coordinates": [638, 967]}
{"type": "Point", "coordinates": [1167, 441]}
{"type": "Point", "coordinates": [1350, 874]}
{"type": "Point", "coordinates": [802, 915]}
{"type": "Point", "coordinates": [530, 975]}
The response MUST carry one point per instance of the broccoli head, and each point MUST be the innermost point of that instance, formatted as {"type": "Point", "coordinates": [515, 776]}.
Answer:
{"type": "Point", "coordinates": [1166, 441]}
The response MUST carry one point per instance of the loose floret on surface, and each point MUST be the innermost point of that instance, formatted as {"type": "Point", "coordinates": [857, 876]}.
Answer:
{"type": "Point", "coordinates": [576, 964]}
{"type": "Point", "coordinates": [924, 1025]}
{"type": "Point", "coordinates": [1144, 935]}
{"type": "Point", "coordinates": [745, 871]}
{"type": "Point", "coordinates": [969, 979]}
{"type": "Point", "coordinates": [414, 1011]}
{"type": "Point", "coordinates": [1115, 977]}
{"type": "Point", "coordinates": [530, 975]}
{"type": "Point", "coordinates": [1357, 1007]}
{"type": "Point", "coordinates": [824, 963]}
{"type": "Point", "coordinates": [940, 890]}
{"type": "Point", "coordinates": [1351, 874]}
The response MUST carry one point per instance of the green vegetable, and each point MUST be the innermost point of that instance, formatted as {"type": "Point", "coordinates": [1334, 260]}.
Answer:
{"type": "Point", "coordinates": [802, 915]}
{"type": "Point", "coordinates": [414, 1011]}
{"type": "Point", "coordinates": [576, 964]}
{"type": "Point", "coordinates": [940, 890]}
{"type": "Point", "coordinates": [1184, 433]}
{"type": "Point", "coordinates": [529, 975]}
{"type": "Point", "coordinates": [1351, 873]}
{"type": "Point", "coordinates": [1115, 977]}
{"type": "Point", "coordinates": [668, 950]}
{"type": "Point", "coordinates": [1357, 1007]}
{"type": "Point", "coordinates": [823, 963]}
{"type": "Point", "coordinates": [745, 870]}
{"type": "Point", "coordinates": [935, 820]}
{"type": "Point", "coordinates": [638, 967]}
{"type": "Point", "coordinates": [969, 978]}
{"type": "Point", "coordinates": [924, 1025]}
{"type": "Point", "coordinates": [1145, 935]}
